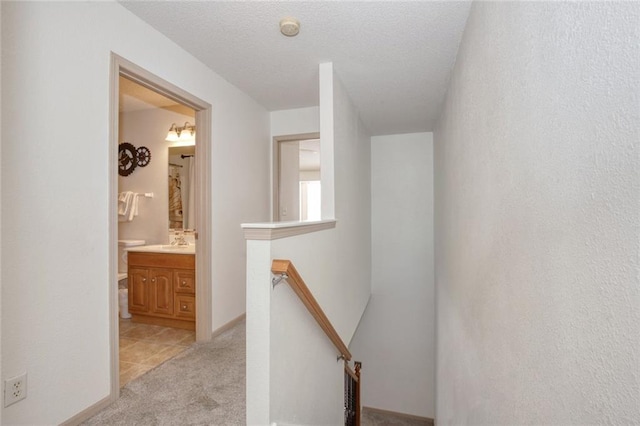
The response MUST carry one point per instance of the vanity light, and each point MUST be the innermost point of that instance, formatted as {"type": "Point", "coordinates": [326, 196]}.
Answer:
{"type": "Point", "coordinates": [185, 133]}
{"type": "Point", "coordinates": [188, 132]}
{"type": "Point", "coordinates": [172, 136]}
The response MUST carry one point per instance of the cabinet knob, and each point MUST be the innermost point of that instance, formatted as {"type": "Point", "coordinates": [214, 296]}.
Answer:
{"type": "Point", "coordinates": [184, 307]}
{"type": "Point", "coordinates": [184, 282]}
{"type": "Point", "coordinates": [153, 280]}
{"type": "Point", "coordinates": [144, 280]}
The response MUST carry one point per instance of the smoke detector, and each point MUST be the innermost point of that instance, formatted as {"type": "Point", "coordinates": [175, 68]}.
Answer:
{"type": "Point", "coordinates": [289, 26]}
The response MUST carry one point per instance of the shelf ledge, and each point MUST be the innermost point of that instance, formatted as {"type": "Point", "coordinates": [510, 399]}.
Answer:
{"type": "Point", "coordinates": [277, 230]}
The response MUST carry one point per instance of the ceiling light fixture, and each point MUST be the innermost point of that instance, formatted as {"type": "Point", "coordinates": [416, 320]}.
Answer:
{"type": "Point", "coordinates": [289, 26]}
{"type": "Point", "coordinates": [185, 133]}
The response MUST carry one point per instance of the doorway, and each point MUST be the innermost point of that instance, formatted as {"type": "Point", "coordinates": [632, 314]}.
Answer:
{"type": "Point", "coordinates": [157, 188]}
{"type": "Point", "coordinates": [201, 216]}
{"type": "Point", "coordinates": [296, 178]}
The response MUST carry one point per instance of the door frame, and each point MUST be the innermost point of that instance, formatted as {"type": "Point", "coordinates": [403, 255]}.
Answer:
{"type": "Point", "coordinates": [121, 66]}
{"type": "Point", "coordinates": [275, 167]}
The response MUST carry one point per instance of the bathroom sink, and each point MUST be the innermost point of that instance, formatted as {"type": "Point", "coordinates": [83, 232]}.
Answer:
{"type": "Point", "coordinates": [170, 247]}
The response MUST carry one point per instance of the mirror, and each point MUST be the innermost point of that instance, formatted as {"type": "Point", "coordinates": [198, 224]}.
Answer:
{"type": "Point", "coordinates": [181, 187]}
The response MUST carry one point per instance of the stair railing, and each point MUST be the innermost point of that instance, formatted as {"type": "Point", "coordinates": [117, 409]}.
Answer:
{"type": "Point", "coordinates": [352, 394]}
{"type": "Point", "coordinates": [285, 267]}
{"type": "Point", "coordinates": [285, 271]}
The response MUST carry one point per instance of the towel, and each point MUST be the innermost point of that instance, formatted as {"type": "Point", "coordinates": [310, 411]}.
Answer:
{"type": "Point", "coordinates": [127, 206]}
{"type": "Point", "coordinates": [134, 207]}
{"type": "Point", "coordinates": [124, 202]}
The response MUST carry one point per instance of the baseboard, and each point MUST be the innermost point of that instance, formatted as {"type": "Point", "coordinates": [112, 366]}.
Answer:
{"type": "Point", "coordinates": [218, 331]}
{"type": "Point", "coordinates": [88, 412]}
{"type": "Point", "coordinates": [427, 420]}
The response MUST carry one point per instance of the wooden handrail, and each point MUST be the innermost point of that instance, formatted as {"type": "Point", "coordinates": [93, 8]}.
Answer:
{"type": "Point", "coordinates": [296, 282]}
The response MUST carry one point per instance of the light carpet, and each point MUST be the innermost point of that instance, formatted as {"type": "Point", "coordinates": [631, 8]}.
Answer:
{"type": "Point", "coordinates": [204, 385]}
{"type": "Point", "coordinates": [377, 418]}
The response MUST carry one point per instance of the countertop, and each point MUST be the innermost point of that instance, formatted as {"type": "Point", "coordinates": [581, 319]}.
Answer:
{"type": "Point", "coordinates": [165, 249]}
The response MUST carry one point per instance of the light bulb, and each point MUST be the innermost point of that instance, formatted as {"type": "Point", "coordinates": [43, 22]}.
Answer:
{"type": "Point", "coordinates": [172, 136]}
{"type": "Point", "coordinates": [185, 134]}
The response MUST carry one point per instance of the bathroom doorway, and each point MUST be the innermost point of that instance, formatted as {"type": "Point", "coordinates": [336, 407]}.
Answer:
{"type": "Point", "coordinates": [149, 117]}
{"type": "Point", "coordinates": [156, 194]}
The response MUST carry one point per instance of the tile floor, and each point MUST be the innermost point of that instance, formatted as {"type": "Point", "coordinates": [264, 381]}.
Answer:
{"type": "Point", "coordinates": [144, 346]}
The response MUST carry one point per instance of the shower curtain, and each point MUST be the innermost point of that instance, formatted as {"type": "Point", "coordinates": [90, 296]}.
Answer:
{"type": "Point", "coordinates": [176, 219]}
{"type": "Point", "coordinates": [190, 219]}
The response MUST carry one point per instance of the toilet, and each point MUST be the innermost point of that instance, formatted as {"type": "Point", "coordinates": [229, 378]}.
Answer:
{"type": "Point", "coordinates": [123, 292]}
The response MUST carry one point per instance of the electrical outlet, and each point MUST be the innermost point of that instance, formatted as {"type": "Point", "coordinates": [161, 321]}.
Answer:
{"type": "Point", "coordinates": [15, 389]}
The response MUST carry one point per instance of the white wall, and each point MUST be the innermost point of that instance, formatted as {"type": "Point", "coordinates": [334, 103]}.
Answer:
{"type": "Point", "coordinates": [149, 128]}
{"type": "Point", "coordinates": [1, 208]}
{"type": "Point", "coordinates": [396, 337]}
{"type": "Point", "coordinates": [327, 152]}
{"type": "Point", "coordinates": [537, 185]}
{"type": "Point", "coordinates": [352, 192]}
{"type": "Point", "coordinates": [55, 178]}
{"type": "Point", "coordinates": [336, 265]}
{"type": "Point", "coordinates": [295, 121]}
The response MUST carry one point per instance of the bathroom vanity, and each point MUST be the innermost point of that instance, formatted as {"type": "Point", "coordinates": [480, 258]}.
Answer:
{"type": "Point", "coordinates": [162, 286]}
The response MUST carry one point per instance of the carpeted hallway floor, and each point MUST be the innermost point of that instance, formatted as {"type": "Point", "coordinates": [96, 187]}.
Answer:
{"type": "Point", "coordinates": [375, 418]}
{"type": "Point", "coordinates": [204, 385]}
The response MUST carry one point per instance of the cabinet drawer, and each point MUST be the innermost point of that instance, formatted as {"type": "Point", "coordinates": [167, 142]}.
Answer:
{"type": "Point", "coordinates": [185, 307]}
{"type": "Point", "coordinates": [160, 260]}
{"type": "Point", "coordinates": [184, 282]}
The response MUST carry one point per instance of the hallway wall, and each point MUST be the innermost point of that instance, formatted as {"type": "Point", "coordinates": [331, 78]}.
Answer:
{"type": "Point", "coordinates": [56, 60]}
{"type": "Point", "coordinates": [537, 195]}
{"type": "Point", "coordinates": [351, 167]}
{"type": "Point", "coordinates": [395, 339]}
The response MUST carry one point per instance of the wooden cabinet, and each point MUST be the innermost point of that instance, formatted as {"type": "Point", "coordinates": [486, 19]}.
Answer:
{"type": "Point", "coordinates": [162, 289]}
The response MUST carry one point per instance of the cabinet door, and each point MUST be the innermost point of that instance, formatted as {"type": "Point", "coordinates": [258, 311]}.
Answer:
{"type": "Point", "coordinates": [184, 281]}
{"type": "Point", "coordinates": [161, 291]}
{"type": "Point", "coordinates": [138, 290]}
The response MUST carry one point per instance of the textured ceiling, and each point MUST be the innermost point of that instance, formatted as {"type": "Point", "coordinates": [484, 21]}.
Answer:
{"type": "Point", "coordinates": [393, 57]}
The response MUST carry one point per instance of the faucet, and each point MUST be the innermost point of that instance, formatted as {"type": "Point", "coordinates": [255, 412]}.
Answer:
{"type": "Point", "coordinates": [179, 239]}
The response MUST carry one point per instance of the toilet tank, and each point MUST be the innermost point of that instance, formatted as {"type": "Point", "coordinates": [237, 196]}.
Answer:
{"type": "Point", "coordinates": [122, 254]}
